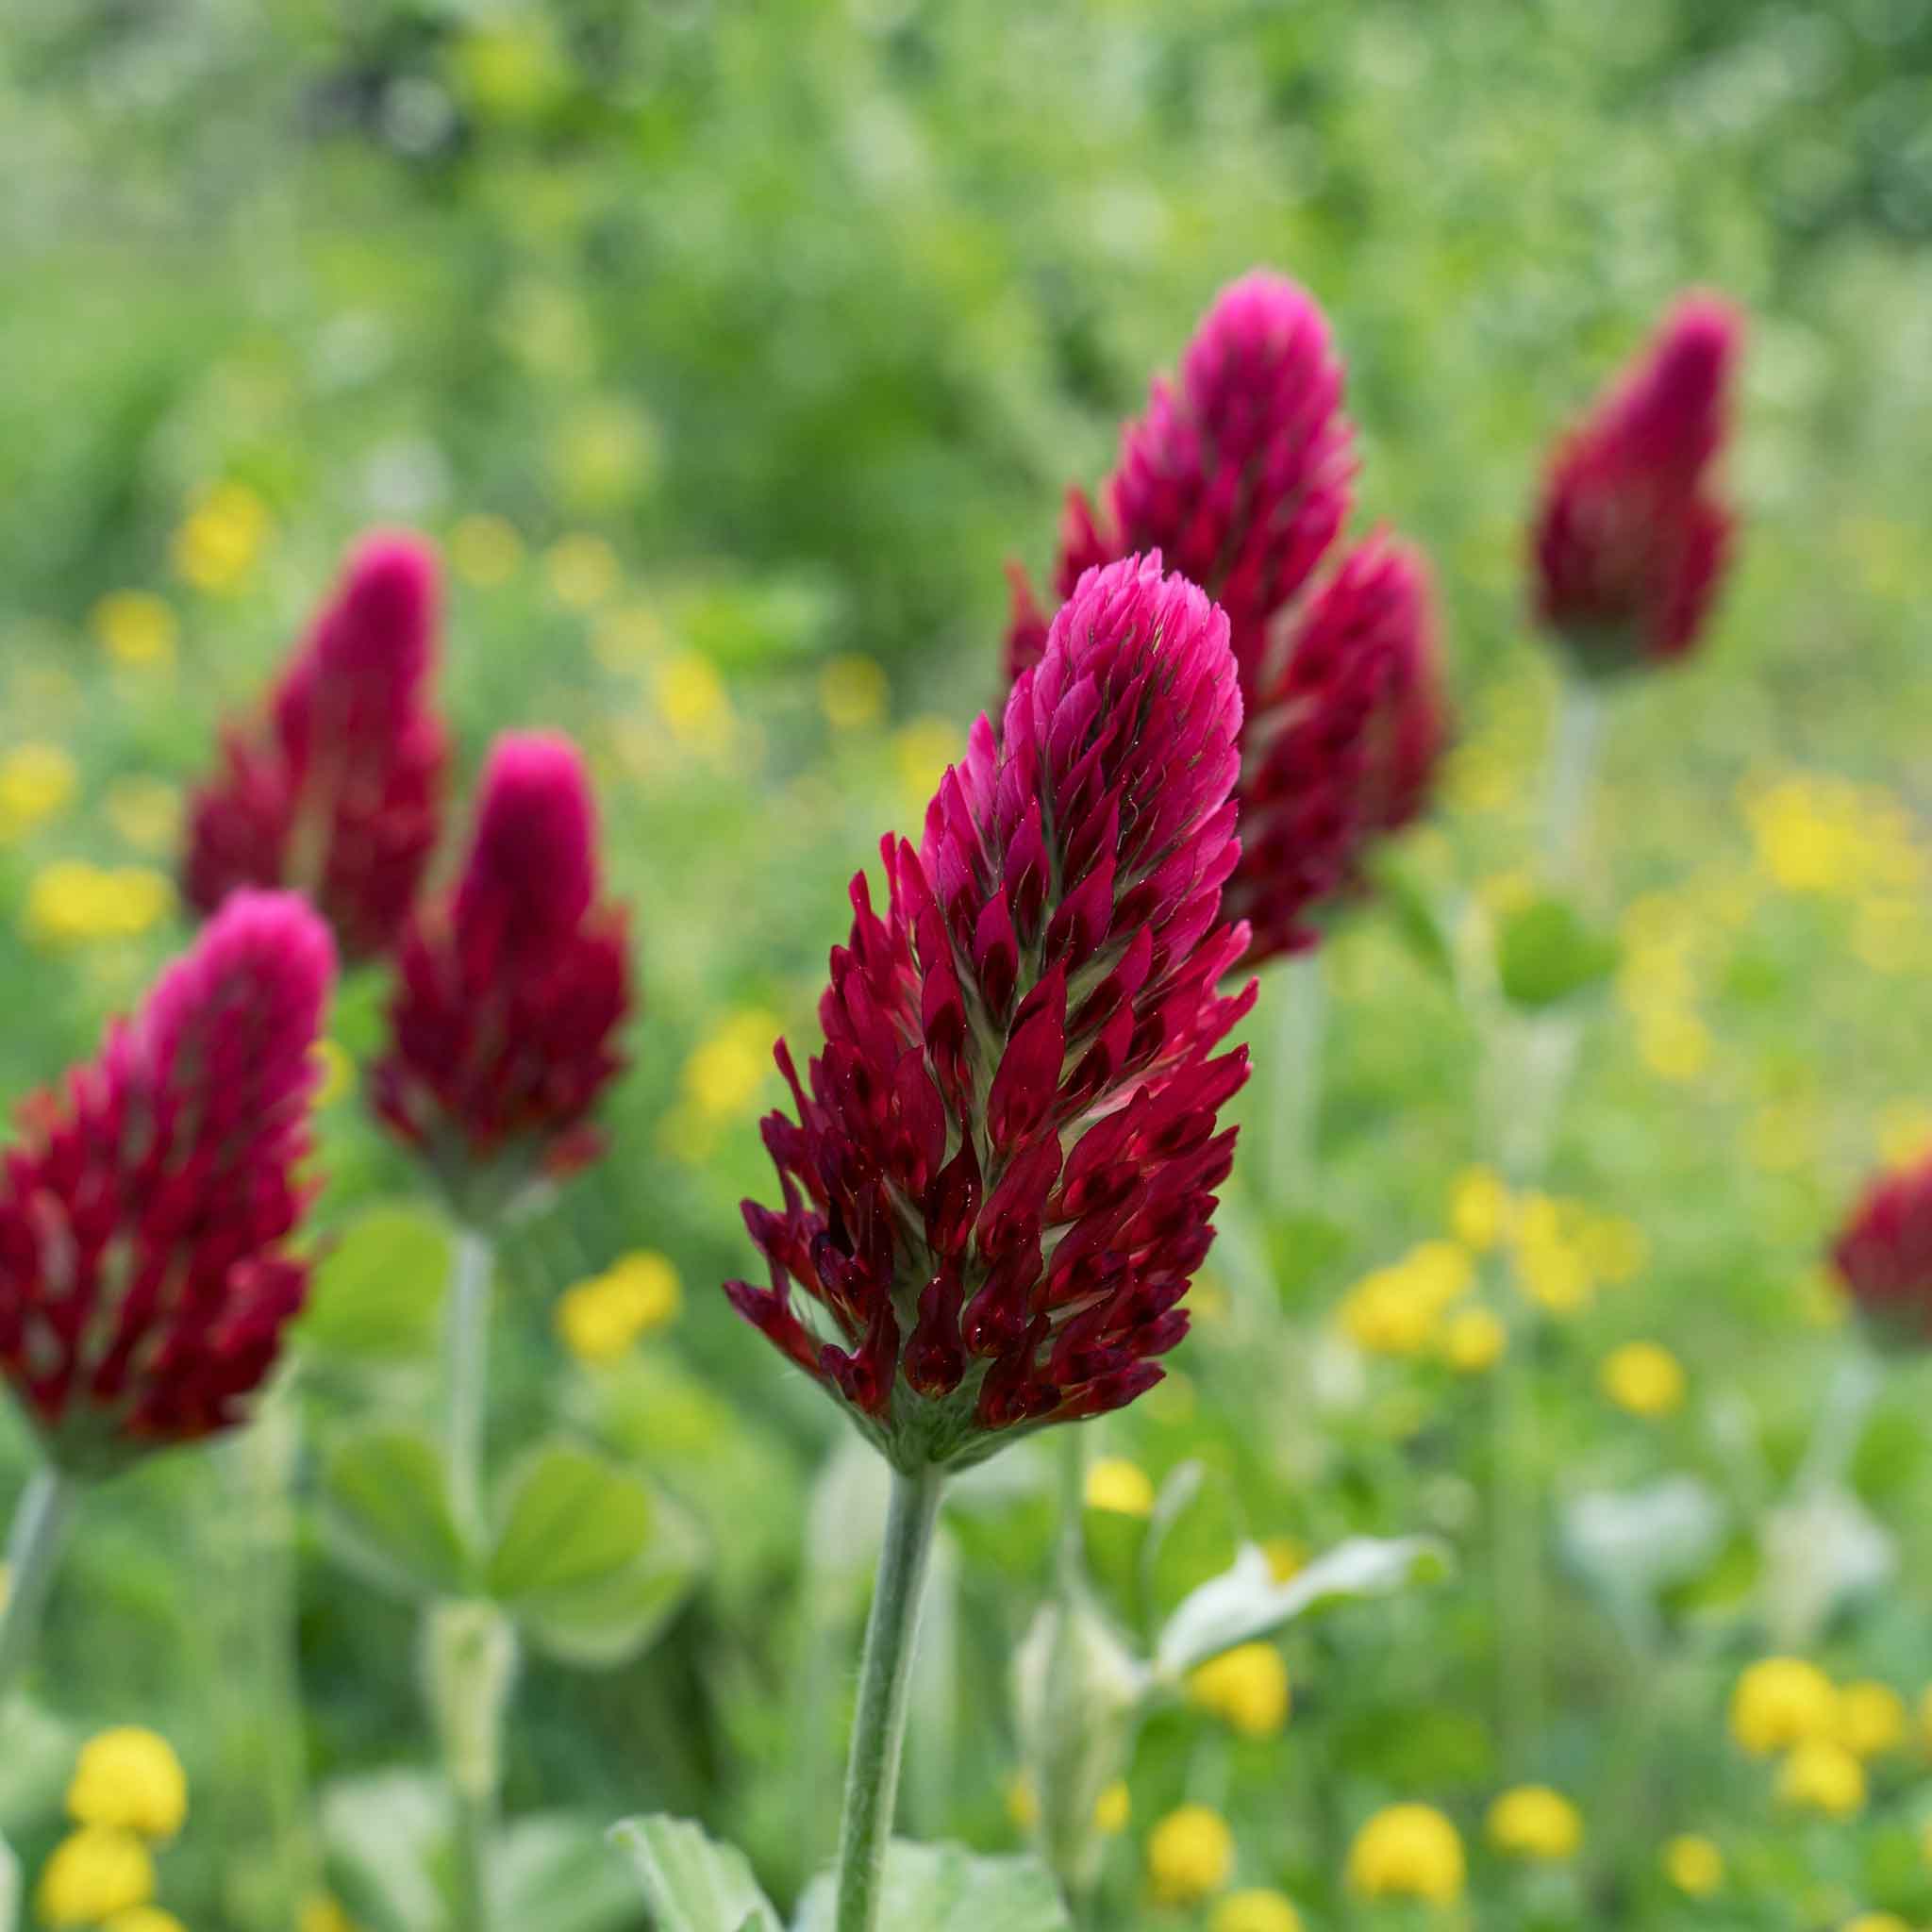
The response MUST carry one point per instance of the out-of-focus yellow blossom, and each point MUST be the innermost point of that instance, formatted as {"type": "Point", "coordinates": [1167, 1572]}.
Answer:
{"type": "Point", "coordinates": [1407, 1851]}
{"type": "Point", "coordinates": [853, 691]}
{"type": "Point", "coordinates": [1113, 1810]}
{"type": "Point", "coordinates": [130, 1778]}
{"type": "Point", "coordinates": [1246, 1687]}
{"type": "Point", "coordinates": [1782, 1135]}
{"type": "Point", "coordinates": [145, 1919]}
{"type": "Point", "coordinates": [1256, 1911]}
{"type": "Point", "coordinates": [1827, 835]}
{"type": "Point", "coordinates": [1534, 1821]}
{"type": "Point", "coordinates": [1478, 776]}
{"type": "Point", "coordinates": [1022, 1802]}
{"type": "Point", "coordinates": [1694, 1865]}
{"type": "Point", "coordinates": [922, 749]}
{"type": "Point", "coordinates": [1878, 1921]}
{"type": "Point", "coordinates": [1675, 1045]}
{"type": "Point", "coordinates": [1190, 1856]}
{"type": "Point", "coordinates": [337, 1072]}
{"type": "Point", "coordinates": [72, 903]}
{"type": "Point", "coordinates": [37, 781]}
{"type": "Point", "coordinates": [692, 701]}
{"type": "Point", "coordinates": [510, 70]}
{"type": "Point", "coordinates": [1872, 1718]}
{"type": "Point", "coordinates": [603, 1317]}
{"type": "Point", "coordinates": [91, 1874]}
{"type": "Point", "coordinates": [321, 1913]}
{"type": "Point", "coordinates": [136, 628]}
{"type": "Point", "coordinates": [218, 543]}
{"type": "Point", "coordinates": [1288, 1556]}
{"type": "Point", "coordinates": [1890, 935]}
{"type": "Point", "coordinates": [1781, 1702]}
{"type": "Point", "coordinates": [1551, 1266]}
{"type": "Point", "coordinates": [1644, 1378]}
{"type": "Point", "coordinates": [1119, 1487]}
{"type": "Point", "coordinates": [1904, 1132]}
{"type": "Point", "coordinates": [1504, 892]}
{"type": "Point", "coordinates": [1398, 1310]}
{"type": "Point", "coordinates": [1479, 1208]}
{"type": "Point", "coordinates": [485, 550]}
{"type": "Point", "coordinates": [1925, 1733]}
{"type": "Point", "coordinates": [1613, 1247]}
{"type": "Point", "coordinates": [583, 570]}
{"type": "Point", "coordinates": [727, 1068]}
{"type": "Point", "coordinates": [625, 638]}
{"type": "Point", "coordinates": [602, 457]}
{"type": "Point", "coordinates": [146, 812]}
{"type": "Point", "coordinates": [1474, 1339]}
{"type": "Point", "coordinates": [1822, 1776]}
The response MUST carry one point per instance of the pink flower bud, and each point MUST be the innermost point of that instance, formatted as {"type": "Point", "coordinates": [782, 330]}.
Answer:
{"type": "Point", "coordinates": [1001, 1177]}
{"type": "Point", "coordinates": [145, 1280]}
{"type": "Point", "coordinates": [1631, 537]}
{"type": "Point", "coordinates": [1884, 1255]}
{"type": "Point", "coordinates": [337, 792]}
{"type": "Point", "coordinates": [511, 990]}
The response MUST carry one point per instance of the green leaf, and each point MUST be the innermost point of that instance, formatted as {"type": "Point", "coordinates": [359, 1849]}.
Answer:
{"type": "Point", "coordinates": [378, 1292]}
{"type": "Point", "coordinates": [10, 1888]}
{"type": "Point", "coordinates": [383, 1835]}
{"type": "Point", "coordinates": [1246, 1603]}
{"type": "Point", "coordinates": [555, 1871]}
{"type": "Point", "coordinates": [947, 1888]}
{"type": "Point", "coordinates": [1195, 1534]}
{"type": "Point", "coordinates": [1412, 913]}
{"type": "Point", "coordinates": [1545, 953]}
{"type": "Point", "coordinates": [691, 1883]}
{"type": "Point", "coordinates": [386, 1510]}
{"type": "Point", "coordinates": [590, 1563]}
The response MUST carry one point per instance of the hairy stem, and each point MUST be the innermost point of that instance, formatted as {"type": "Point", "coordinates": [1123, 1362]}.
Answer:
{"type": "Point", "coordinates": [33, 1548]}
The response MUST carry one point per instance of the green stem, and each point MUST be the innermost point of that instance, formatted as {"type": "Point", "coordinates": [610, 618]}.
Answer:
{"type": "Point", "coordinates": [33, 1548]}
{"type": "Point", "coordinates": [878, 1731]}
{"type": "Point", "coordinates": [1573, 760]}
{"type": "Point", "coordinates": [1072, 1542]}
{"type": "Point", "coordinates": [466, 1338]}
{"type": "Point", "coordinates": [1301, 1022]}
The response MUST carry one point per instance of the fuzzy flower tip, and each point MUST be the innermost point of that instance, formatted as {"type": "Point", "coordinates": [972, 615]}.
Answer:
{"type": "Point", "coordinates": [1241, 476]}
{"type": "Point", "coordinates": [338, 790]}
{"type": "Point", "coordinates": [1632, 538]}
{"type": "Point", "coordinates": [145, 1210]}
{"type": "Point", "coordinates": [510, 990]}
{"type": "Point", "coordinates": [1884, 1255]}
{"type": "Point", "coordinates": [1001, 1172]}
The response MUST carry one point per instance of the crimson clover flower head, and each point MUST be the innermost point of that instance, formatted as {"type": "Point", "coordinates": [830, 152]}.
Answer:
{"type": "Point", "coordinates": [338, 790]}
{"type": "Point", "coordinates": [510, 990]}
{"type": "Point", "coordinates": [1241, 476]}
{"type": "Point", "coordinates": [1631, 537]}
{"type": "Point", "coordinates": [146, 1279]}
{"type": "Point", "coordinates": [1340, 742]}
{"type": "Point", "coordinates": [1883, 1254]}
{"type": "Point", "coordinates": [1001, 1174]}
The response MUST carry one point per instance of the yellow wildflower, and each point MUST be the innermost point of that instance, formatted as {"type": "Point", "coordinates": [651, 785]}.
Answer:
{"type": "Point", "coordinates": [223, 535]}
{"type": "Point", "coordinates": [129, 1778]}
{"type": "Point", "coordinates": [1255, 1911]}
{"type": "Point", "coordinates": [145, 1919]}
{"type": "Point", "coordinates": [146, 812]}
{"type": "Point", "coordinates": [1872, 1718]}
{"type": "Point", "coordinates": [1113, 1810]}
{"type": "Point", "coordinates": [1645, 1378]}
{"type": "Point", "coordinates": [37, 781]}
{"type": "Point", "coordinates": [1190, 1856]}
{"type": "Point", "coordinates": [729, 1067]}
{"type": "Point", "coordinates": [1247, 1687]}
{"type": "Point", "coordinates": [1119, 1487]}
{"type": "Point", "coordinates": [583, 570]}
{"type": "Point", "coordinates": [1694, 1865]}
{"type": "Point", "coordinates": [321, 1913]}
{"type": "Point", "coordinates": [1473, 1341]}
{"type": "Point", "coordinates": [853, 691]}
{"type": "Point", "coordinates": [1904, 1133]}
{"type": "Point", "coordinates": [336, 1070]}
{"type": "Point", "coordinates": [1022, 1802]}
{"type": "Point", "coordinates": [1878, 1921]}
{"type": "Point", "coordinates": [1781, 1702]}
{"type": "Point", "coordinates": [485, 551]}
{"type": "Point", "coordinates": [692, 697]}
{"type": "Point", "coordinates": [1407, 1851]}
{"type": "Point", "coordinates": [1534, 1821]}
{"type": "Point", "coordinates": [93, 1874]}
{"type": "Point", "coordinates": [1822, 1777]}
{"type": "Point", "coordinates": [1288, 1556]}
{"type": "Point", "coordinates": [922, 749]}
{"type": "Point", "coordinates": [1397, 1310]}
{"type": "Point", "coordinates": [1479, 1208]}
{"type": "Point", "coordinates": [136, 628]}
{"type": "Point", "coordinates": [1613, 1247]}
{"type": "Point", "coordinates": [73, 903]}
{"type": "Point", "coordinates": [599, 1319]}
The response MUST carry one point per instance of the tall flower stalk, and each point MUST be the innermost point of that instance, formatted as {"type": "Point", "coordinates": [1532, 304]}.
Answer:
{"type": "Point", "coordinates": [999, 1179]}
{"type": "Point", "coordinates": [146, 1213]}
{"type": "Point", "coordinates": [502, 1038]}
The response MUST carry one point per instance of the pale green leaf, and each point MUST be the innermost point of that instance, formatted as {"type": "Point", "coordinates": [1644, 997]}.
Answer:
{"type": "Point", "coordinates": [948, 1889]}
{"type": "Point", "coordinates": [691, 1883]}
{"type": "Point", "coordinates": [386, 1508]}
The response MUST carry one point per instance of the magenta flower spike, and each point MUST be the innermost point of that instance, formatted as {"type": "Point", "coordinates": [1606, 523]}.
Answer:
{"type": "Point", "coordinates": [1241, 476]}
{"type": "Point", "coordinates": [1631, 538]}
{"type": "Point", "coordinates": [510, 990]}
{"type": "Point", "coordinates": [145, 1277]}
{"type": "Point", "coordinates": [1883, 1255]}
{"type": "Point", "coordinates": [1001, 1175]}
{"type": "Point", "coordinates": [338, 790]}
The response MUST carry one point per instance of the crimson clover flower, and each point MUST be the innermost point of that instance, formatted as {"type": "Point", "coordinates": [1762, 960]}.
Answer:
{"type": "Point", "coordinates": [1001, 1175]}
{"type": "Point", "coordinates": [1631, 537]}
{"type": "Point", "coordinates": [338, 790]}
{"type": "Point", "coordinates": [510, 990]}
{"type": "Point", "coordinates": [1883, 1255]}
{"type": "Point", "coordinates": [145, 1279]}
{"type": "Point", "coordinates": [1241, 476]}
